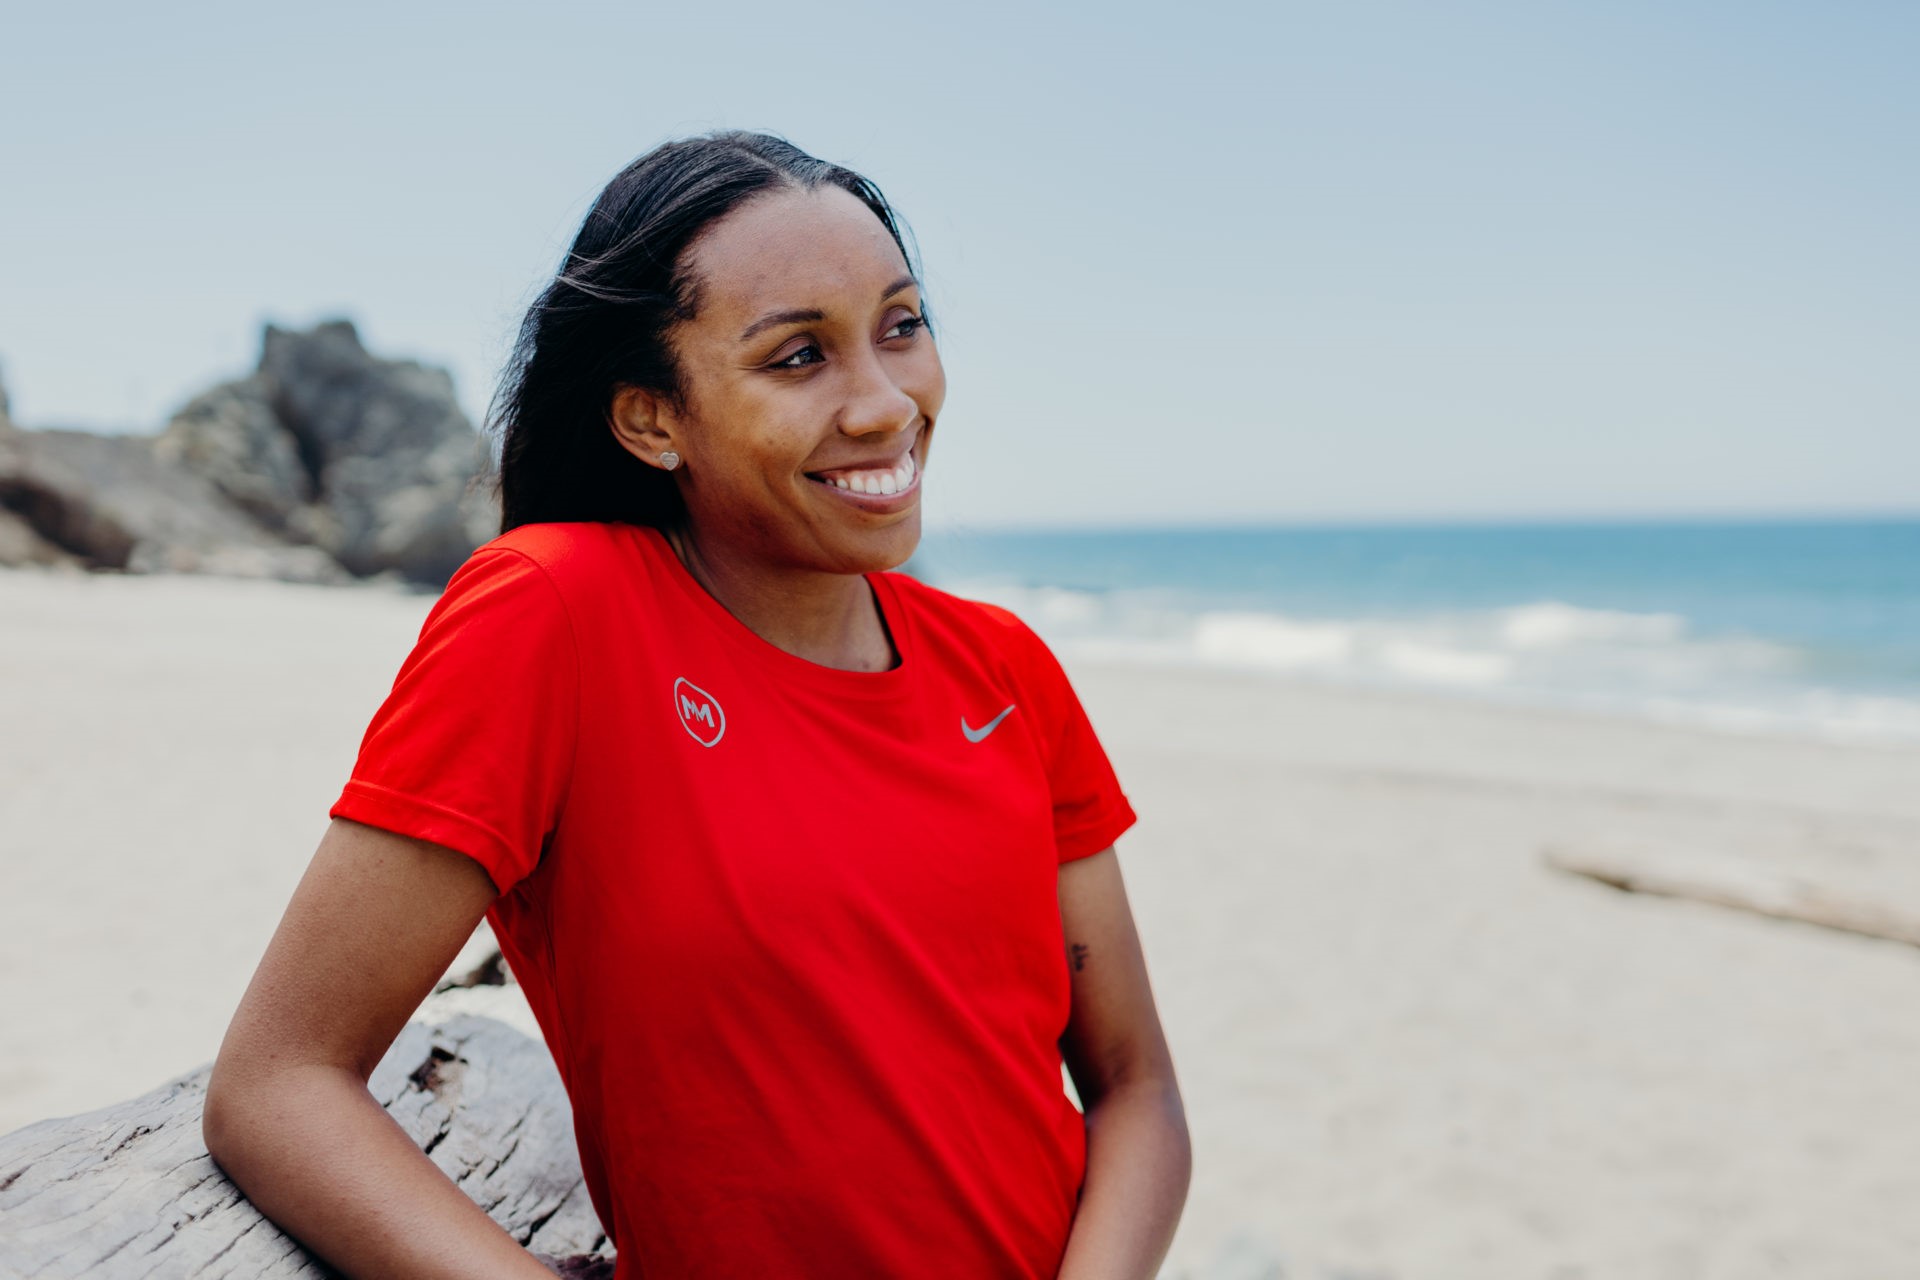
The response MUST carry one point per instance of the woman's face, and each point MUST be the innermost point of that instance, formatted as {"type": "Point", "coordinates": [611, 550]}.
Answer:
{"type": "Point", "coordinates": [811, 387]}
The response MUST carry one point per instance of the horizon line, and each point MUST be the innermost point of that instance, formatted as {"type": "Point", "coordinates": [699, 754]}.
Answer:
{"type": "Point", "coordinates": [1261, 524]}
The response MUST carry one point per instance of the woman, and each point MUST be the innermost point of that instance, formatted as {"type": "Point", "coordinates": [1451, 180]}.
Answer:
{"type": "Point", "coordinates": [806, 868]}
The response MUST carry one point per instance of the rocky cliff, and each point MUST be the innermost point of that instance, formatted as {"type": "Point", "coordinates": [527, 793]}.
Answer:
{"type": "Point", "coordinates": [326, 464]}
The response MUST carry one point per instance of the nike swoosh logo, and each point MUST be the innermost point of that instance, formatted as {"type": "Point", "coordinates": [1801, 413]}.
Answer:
{"type": "Point", "coordinates": [975, 735]}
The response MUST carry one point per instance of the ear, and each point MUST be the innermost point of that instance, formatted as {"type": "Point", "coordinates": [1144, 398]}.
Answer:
{"type": "Point", "coordinates": [642, 423]}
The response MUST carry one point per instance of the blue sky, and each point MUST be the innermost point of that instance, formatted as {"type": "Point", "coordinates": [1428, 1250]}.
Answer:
{"type": "Point", "coordinates": [1192, 263]}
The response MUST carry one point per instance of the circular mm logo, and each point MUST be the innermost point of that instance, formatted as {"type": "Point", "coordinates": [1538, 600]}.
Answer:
{"type": "Point", "coordinates": [699, 712]}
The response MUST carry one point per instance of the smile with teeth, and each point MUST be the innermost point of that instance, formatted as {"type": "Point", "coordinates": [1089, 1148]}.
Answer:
{"type": "Point", "coordinates": [880, 481]}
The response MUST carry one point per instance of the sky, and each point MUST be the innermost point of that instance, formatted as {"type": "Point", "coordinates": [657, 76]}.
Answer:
{"type": "Point", "coordinates": [1189, 264]}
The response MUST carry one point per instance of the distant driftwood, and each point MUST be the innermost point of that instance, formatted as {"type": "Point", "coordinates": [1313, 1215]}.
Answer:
{"type": "Point", "coordinates": [1729, 883]}
{"type": "Point", "coordinates": [131, 1191]}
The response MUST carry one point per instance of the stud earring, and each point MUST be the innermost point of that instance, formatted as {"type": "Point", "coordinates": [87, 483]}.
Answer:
{"type": "Point", "coordinates": [669, 460]}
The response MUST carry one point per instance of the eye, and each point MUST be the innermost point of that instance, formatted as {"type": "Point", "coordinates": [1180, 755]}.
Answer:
{"type": "Point", "coordinates": [912, 325]}
{"type": "Point", "coordinates": [788, 363]}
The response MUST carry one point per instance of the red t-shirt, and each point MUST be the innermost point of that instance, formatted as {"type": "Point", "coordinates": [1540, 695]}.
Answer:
{"type": "Point", "coordinates": [792, 932]}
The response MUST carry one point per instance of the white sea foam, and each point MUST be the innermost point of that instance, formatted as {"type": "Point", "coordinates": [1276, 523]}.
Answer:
{"type": "Point", "coordinates": [1269, 640]}
{"type": "Point", "coordinates": [1553, 625]}
{"type": "Point", "coordinates": [1541, 651]}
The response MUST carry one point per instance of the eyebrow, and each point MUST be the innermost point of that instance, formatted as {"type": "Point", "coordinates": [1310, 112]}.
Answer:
{"type": "Point", "coordinates": [805, 315]}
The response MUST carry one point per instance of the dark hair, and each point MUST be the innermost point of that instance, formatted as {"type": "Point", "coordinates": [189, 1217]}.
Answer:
{"type": "Point", "coordinates": [605, 321]}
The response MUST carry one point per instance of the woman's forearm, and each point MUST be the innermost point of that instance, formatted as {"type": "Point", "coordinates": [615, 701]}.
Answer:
{"type": "Point", "coordinates": [1139, 1161]}
{"type": "Point", "coordinates": [315, 1153]}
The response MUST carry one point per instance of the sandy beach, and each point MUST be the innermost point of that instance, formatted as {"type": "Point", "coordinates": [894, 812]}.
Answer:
{"type": "Point", "coordinates": [1409, 1048]}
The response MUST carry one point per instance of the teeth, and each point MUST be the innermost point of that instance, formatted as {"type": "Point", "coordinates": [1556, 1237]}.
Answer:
{"type": "Point", "coordinates": [877, 482]}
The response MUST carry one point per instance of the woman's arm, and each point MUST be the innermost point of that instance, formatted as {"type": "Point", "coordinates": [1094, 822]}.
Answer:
{"type": "Point", "coordinates": [1138, 1156]}
{"type": "Point", "coordinates": [374, 923]}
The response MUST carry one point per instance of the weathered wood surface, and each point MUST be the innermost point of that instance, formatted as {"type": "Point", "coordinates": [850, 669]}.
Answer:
{"type": "Point", "coordinates": [1743, 886]}
{"type": "Point", "coordinates": [131, 1191]}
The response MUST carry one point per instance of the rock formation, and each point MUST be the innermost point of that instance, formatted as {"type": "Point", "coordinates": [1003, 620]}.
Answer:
{"type": "Point", "coordinates": [20, 541]}
{"type": "Point", "coordinates": [371, 460]}
{"type": "Point", "coordinates": [325, 464]}
{"type": "Point", "coordinates": [107, 502]}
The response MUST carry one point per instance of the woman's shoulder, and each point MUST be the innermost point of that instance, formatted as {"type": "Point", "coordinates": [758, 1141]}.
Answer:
{"type": "Point", "coordinates": [577, 556]}
{"type": "Point", "coordinates": [924, 597]}
{"type": "Point", "coordinates": [559, 567]}
{"type": "Point", "coordinates": [981, 624]}
{"type": "Point", "coordinates": [566, 545]}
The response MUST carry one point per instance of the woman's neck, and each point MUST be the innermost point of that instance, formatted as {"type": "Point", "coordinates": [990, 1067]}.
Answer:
{"type": "Point", "coordinates": [827, 618]}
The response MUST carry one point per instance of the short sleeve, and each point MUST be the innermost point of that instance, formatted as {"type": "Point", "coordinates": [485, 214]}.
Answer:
{"type": "Point", "coordinates": [473, 748]}
{"type": "Point", "coordinates": [1090, 811]}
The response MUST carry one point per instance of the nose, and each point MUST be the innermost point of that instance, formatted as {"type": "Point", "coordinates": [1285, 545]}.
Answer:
{"type": "Point", "coordinates": [876, 404]}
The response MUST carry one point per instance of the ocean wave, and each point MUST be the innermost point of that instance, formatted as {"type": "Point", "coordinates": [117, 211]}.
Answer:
{"type": "Point", "coordinates": [1539, 651]}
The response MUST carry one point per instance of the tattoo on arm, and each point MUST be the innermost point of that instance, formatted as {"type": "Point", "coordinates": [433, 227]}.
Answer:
{"type": "Point", "coordinates": [1079, 951]}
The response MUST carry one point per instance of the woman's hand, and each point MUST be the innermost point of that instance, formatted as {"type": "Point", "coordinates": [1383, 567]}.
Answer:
{"type": "Point", "coordinates": [372, 926]}
{"type": "Point", "coordinates": [1139, 1159]}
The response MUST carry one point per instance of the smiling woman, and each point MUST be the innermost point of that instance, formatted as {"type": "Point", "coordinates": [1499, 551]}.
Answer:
{"type": "Point", "coordinates": [806, 867]}
{"type": "Point", "coordinates": [810, 424]}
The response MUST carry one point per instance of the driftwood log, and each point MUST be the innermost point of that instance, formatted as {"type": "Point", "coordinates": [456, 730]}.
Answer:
{"type": "Point", "coordinates": [130, 1190]}
{"type": "Point", "coordinates": [1745, 887]}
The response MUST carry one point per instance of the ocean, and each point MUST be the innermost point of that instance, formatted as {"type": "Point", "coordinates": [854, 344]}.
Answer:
{"type": "Point", "coordinates": [1801, 626]}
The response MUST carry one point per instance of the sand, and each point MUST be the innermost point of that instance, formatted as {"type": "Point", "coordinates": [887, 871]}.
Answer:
{"type": "Point", "coordinates": [1409, 1049]}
